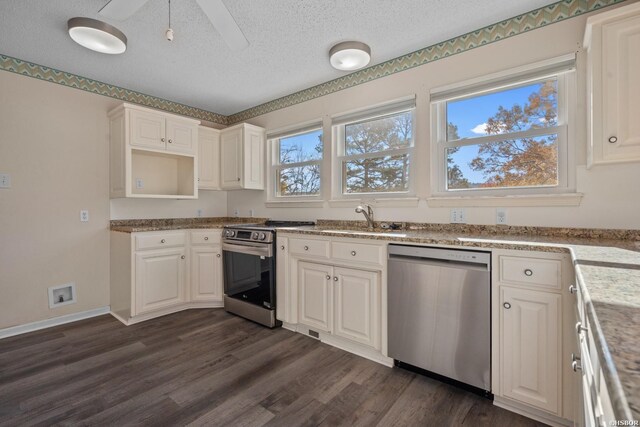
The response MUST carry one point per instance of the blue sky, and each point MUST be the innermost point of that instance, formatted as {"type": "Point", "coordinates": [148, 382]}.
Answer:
{"type": "Point", "coordinates": [306, 141]}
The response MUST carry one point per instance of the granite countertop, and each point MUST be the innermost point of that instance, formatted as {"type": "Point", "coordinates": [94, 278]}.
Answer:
{"type": "Point", "coordinates": [607, 271]}
{"type": "Point", "coordinates": [607, 265]}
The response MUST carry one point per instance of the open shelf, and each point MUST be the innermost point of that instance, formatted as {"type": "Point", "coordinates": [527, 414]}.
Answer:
{"type": "Point", "coordinates": [155, 174]}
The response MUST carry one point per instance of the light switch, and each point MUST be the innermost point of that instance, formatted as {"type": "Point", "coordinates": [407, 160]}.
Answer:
{"type": "Point", "coordinates": [5, 180]}
{"type": "Point", "coordinates": [84, 215]}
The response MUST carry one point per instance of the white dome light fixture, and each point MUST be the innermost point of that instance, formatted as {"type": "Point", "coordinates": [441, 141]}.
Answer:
{"type": "Point", "coordinates": [97, 35]}
{"type": "Point", "coordinates": [349, 56]}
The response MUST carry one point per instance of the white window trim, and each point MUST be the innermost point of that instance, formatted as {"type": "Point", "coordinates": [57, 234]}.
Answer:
{"type": "Point", "coordinates": [339, 121]}
{"type": "Point", "coordinates": [273, 158]}
{"type": "Point", "coordinates": [564, 69]}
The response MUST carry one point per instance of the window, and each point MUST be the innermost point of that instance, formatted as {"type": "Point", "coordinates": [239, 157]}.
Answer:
{"type": "Point", "coordinates": [296, 162]}
{"type": "Point", "coordinates": [507, 136]}
{"type": "Point", "coordinates": [373, 152]}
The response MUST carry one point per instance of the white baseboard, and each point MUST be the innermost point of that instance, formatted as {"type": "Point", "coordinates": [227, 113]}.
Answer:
{"type": "Point", "coordinates": [54, 321]}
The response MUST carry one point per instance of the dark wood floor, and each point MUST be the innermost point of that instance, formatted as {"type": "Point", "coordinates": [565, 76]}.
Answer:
{"type": "Point", "coordinates": [207, 367]}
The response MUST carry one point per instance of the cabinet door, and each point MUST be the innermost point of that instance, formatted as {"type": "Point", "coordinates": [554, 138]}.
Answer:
{"type": "Point", "coordinates": [181, 136]}
{"type": "Point", "coordinates": [208, 159]}
{"type": "Point", "coordinates": [231, 159]}
{"type": "Point", "coordinates": [160, 279]}
{"type": "Point", "coordinates": [315, 294]}
{"type": "Point", "coordinates": [357, 306]}
{"type": "Point", "coordinates": [283, 285]}
{"type": "Point", "coordinates": [147, 129]}
{"type": "Point", "coordinates": [621, 88]}
{"type": "Point", "coordinates": [254, 142]}
{"type": "Point", "coordinates": [206, 274]}
{"type": "Point", "coordinates": [531, 347]}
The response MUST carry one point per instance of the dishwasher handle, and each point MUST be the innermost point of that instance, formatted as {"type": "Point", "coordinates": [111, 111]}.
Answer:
{"type": "Point", "coordinates": [440, 256]}
{"type": "Point", "coordinates": [439, 263]}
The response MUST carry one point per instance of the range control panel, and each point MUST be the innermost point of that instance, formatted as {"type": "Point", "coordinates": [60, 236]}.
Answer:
{"type": "Point", "coordinates": [265, 236]}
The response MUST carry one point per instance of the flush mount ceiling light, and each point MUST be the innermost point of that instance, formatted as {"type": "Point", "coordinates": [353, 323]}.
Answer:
{"type": "Point", "coordinates": [349, 56]}
{"type": "Point", "coordinates": [97, 35]}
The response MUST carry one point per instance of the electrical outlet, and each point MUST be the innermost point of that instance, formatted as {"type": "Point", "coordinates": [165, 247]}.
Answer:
{"type": "Point", "coordinates": [236, 212]}
{"type": "Point", "coordinates": [139, 183]}
{"type": "Point", "coordinates": [251, 213]}
{"type": "Point", "coordinates": [84, 215]}
{"type": "Point", "coordinates": [458, 216]}
{"type": "Point", "coordinates": [199, 212]}
{"type": "Point", "coordinates": [5, 180]}
{"type": "Point", "coordinates": [501, 216]}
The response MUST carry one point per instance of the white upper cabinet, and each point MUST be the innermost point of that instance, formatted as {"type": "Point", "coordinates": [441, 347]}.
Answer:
{"type": "Point", "coordinates": [242, 149]}
{"type": "Point", "coordinates": [208, 158]}
{"type": "Point", "coordinates": [181, 135]}
{"type": "Point", "coordinates": [147, 129]}
{"type": "Point", "coordinates": [161, 131]}
{"type": "Point", "coordinates": [612, 40]}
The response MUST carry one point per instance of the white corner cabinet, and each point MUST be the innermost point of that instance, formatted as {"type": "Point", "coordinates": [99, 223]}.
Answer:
{"type": "Point", "coordinates": [156, 273]}
{"type": "Point", "coordinates": [532, 339]}
{"type": "Point", "coordinates": [333, 289]}
{"type": "Point", "coordinates": [152, 154]}
{"type": "Point", "coordinates": [208, 158]}
{"type": "Point", "coordinates": [242, 157]}
{"type": "Point", "coordinates": [612, 41]}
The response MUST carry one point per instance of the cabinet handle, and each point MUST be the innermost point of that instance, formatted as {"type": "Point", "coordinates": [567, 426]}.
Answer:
{"type": "Point", "coordinates": [218, 255]}
{"type": "Point", "coordinates": [528, 272]}
{"type": "Point", "coordinates": [282, 247]}
{"type": "Point", "coordinates": [328, 277]}
{"type": "Point", "coordinates": [335, 278]}
{"type": "Point", "coordinates": [182, 257]}
{"type": "Point", "coordinates": [580, 328]}
{"type": "Point", "coordinates": [206, 238]}
{"type": "Point", "coordinates": [613, 139]}
{"type": "Point", "coordinates": [306, 248]}
{"type": "Point", "coordinates": [574, 357]}
{"type": "Point", "coordinates": [506, 305]}
{"type": "Point", "coordinates": [170, 141]}
{"type": "Point", "coordinates": [575, 366]}
{"type": "Point", "coordinates": [162, 241]}
{"type": "Point", "coordinates": [573, 289]}
{"type": "Point", "coordinates": [162, 139]}
{"type": "Point", "coordinates": [353, 253]}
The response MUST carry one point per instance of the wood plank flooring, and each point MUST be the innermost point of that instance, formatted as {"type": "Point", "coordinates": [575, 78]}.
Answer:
{"type": "Point", "coordinates": [207, 367]}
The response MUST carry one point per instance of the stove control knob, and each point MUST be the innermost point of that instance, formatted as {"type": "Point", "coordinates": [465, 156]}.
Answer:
{"type": "Point", "coordinates": [263, 236]}
{"type": "Point", "coordinates": [254, 235]}
{"type": "Point", "coordinates": [231, 233]}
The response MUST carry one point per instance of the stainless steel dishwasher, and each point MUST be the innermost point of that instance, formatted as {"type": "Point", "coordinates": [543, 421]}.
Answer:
{"type": "Point", "coordinates": [440, 312]}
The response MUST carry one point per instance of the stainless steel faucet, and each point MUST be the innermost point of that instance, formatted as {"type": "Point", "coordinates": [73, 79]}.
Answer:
{"type": "Point", "coordinates": [368, 214]}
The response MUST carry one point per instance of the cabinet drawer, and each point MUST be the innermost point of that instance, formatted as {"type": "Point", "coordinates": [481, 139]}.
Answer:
{"type": "Point", "coordinates": [206, 237]}
{"type": "Point", "coordinates": [159, 240]}
{"type": "Point", "coordinates": [530, 271]}
{"type": "Point", "coordinates": [318, 248]}
{"type": "Point", "coordinates": [360, 252]}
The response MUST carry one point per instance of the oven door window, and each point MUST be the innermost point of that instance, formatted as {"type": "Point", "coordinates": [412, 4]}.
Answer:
{"type": "Point", "coordinates": [249, 278]}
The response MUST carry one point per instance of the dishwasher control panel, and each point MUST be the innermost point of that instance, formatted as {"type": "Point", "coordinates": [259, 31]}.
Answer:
{"type": "Point", "coordinates": [440, 254]}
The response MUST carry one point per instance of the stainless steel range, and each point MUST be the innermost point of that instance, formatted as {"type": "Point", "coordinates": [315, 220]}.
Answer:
{"type": "Point", "coordinates": [249, 257]}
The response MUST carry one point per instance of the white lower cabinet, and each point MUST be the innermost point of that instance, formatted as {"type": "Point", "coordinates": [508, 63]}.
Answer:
{"type": "Point", "coordinates": [159, 279]}
{"type": "Point", "coordinates": [156, 273]}
{"type": "Point", "coordinates": [357, 305]}
{"type": "Point", "coordinates": [530, 347]}
{"type": "Point", "coordinates": [315, 286]}
{"type": "Point", "coordinates": [206, 277]}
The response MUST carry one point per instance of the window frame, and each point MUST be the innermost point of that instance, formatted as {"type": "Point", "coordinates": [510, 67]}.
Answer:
{"type": "Point", "coordinates": [565, 128]}
{"type": "Point", "coordinates": [338, 157]}
{"type": "Point", "coordinates": [273, 142]}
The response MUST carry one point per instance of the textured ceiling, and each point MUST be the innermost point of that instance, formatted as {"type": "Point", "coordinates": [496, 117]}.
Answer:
{"type": "Point", "coordinates": [289, 41]}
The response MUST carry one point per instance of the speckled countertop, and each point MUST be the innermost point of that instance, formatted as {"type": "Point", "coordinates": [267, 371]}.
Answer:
{"type": "Point", "coordinates": [607, 264]}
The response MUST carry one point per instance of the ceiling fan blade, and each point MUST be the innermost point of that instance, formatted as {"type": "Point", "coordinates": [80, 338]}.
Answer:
{"type": "Point", "coordinates": [224, 23]}
{"type": "Point", "coordinates": [120, 10]}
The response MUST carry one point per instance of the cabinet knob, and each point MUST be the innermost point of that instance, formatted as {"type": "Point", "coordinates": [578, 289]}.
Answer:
{"type": "Point", "coordinates": [163, 241]}
{"type": "Point", "coordinates": [580, 328]}
{"type": "Point", "coordinates": [306, 248]}
{"type": "Point", "coordinates": [206, 238]}
{"type": "Point", "coordinates": [238, 178]}
{"type": "Point", "coordinates": [282, 247]}
{"type": "Point", "coordinates": [575, 366]}
{"type": "Point", "coordinates": [573, 289]}
{"type": "Point", "coordinates": [353, 253]}
{"type": "Point", "coordinates": [335, 278]}
{"type": "Point", "coordinates": [162, 139]}
{"type": "Point", "coordinates": [170, 141]}
{"type": "Point", "coordinates": [182, 257]}
{"type": "Point", "coordinates": [613, 139]}
{"type": "Point", "coordinates": [528, 272]}
{"type": "Point", "coordinates": [328, 277]}
{"type": "Point", "coordinates": [506, 305]}
{"type": "Point", "coordinates": [218, 255]}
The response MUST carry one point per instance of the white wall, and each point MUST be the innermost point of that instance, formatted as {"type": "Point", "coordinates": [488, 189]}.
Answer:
{"type": "Point", "coordinates": [212, 203]}
{"type": "Point", "coordinates": [612, 195]}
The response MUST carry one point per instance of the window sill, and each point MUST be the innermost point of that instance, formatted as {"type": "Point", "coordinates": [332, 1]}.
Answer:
{"type": "Point", "coordinates": [565, 199]}
{"type": "Point", "coordinates": [381, 202]}
{"type": "Point", "coordinates": [294, 204]}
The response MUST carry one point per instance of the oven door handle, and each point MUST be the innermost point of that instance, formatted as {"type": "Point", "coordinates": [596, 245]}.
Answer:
{"type": "Point", "coordinates": [262, 250]}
